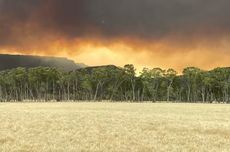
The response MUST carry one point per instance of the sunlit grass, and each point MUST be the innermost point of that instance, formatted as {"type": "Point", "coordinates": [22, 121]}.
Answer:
{"type": "Point", "coordinates": [114, 127]}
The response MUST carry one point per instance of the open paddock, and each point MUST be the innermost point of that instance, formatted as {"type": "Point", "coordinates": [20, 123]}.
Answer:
{"type": "Point", "coordinates": [141, 127]}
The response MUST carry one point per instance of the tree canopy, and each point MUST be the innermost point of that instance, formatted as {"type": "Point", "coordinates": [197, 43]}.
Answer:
{"type": "Point", "coordinates": [115, 84]}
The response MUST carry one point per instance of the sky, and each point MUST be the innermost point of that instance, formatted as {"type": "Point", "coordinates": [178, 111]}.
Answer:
{"type": "Point", "coordinates": [146, 33]}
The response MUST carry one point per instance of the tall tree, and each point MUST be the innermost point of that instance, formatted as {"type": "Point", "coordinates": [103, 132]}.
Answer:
{"type": "Point", "coordinates": [170, 75]}
{"type": "Point", "coordinates": [131, 76]}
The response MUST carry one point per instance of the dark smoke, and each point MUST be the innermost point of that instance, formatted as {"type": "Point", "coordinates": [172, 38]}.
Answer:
{"type": "Point", "coordinates": [26, 21]}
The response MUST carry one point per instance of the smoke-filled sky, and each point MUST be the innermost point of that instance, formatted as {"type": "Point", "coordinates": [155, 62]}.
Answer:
{"type": "Point", "coordinates": [146, 33]}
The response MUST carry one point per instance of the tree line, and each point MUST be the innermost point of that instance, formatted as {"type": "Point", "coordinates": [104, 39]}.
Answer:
{"type": "Point", "coordinates": [115, 84]}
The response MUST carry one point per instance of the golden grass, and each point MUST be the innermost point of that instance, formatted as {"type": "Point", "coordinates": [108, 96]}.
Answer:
{"type": "Point", "coordinates": [120, 127]}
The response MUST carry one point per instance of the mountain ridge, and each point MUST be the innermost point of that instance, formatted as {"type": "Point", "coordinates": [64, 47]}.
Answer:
{"type": "Point", "coordinates": [8, 61]}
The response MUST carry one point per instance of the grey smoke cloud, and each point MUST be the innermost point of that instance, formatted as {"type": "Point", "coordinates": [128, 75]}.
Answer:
{"type": "Point", "coordinates": [23, 21]}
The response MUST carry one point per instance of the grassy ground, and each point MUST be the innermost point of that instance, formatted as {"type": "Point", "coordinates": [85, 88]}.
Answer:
{"type": "Point", "coordinates": [114, 127]}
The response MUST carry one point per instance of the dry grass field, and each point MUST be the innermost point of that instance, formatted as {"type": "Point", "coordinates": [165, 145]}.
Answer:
{"type": "Point", "coordinates": [121, 127]}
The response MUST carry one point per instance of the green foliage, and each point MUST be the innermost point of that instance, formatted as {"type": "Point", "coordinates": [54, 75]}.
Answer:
{"type": "Point", "coordinates": [115, 84]}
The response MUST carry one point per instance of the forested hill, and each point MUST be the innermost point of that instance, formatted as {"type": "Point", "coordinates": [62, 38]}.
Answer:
{"type": "Point", "coordinates": [14, 61]}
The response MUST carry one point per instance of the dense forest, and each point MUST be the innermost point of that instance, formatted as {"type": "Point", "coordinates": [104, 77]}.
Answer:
{"type": "Point", "coordinates": [115, 84]}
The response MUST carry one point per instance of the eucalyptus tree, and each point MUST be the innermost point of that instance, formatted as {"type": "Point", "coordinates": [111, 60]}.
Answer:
{"type": "Point", "coordinates": [170, 76]}
{"type": "Point", "coordinates": [115, 78]}
{"type": "Point", "coordinates": [3, 86]}
{"type": "Point", "coordinates": [191, 74]}
{"type": "Point", "coordinates": [20, 81]}
{"type": "Point", "coordinates": [86, 85]}
{"type": "Point", "coordinates": [130, 75]}
{"type": "Point", "coordinates": [157, 75]}
{"type": "Point", "coordinates": [221, 85]}
{"type": "Point", "coordinates": [99, 77]}
{"type": "Point", "coordinates": [152, 79]}
{"type": "Point", "coordinates": [179, 87]}
{"type": "Point", "coordinates": [146, 77]}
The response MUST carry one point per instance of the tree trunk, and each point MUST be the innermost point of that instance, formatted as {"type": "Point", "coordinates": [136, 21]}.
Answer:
{"type": "Point", "coordinates": [168, 93]}
{"type": "Point", "coordinates": [203, 94]}
{"type": "Point", "coordinates": [53, 91]}
{"type": "Point", "coordinates": [68, 91]}
{"type": "Point", "coordinates": [133, 91]}
{"type": "Point", "coordinates": [188, 94]}
{"type": "Point", "coordinates": [168, 90]}
{"type": "Point", "coordinates": [96, 92]}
